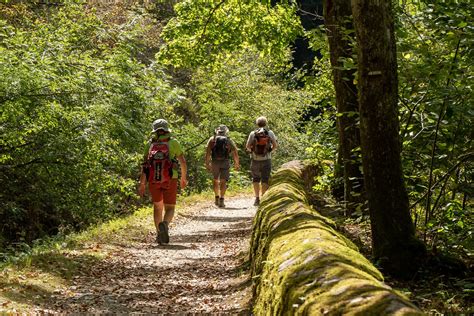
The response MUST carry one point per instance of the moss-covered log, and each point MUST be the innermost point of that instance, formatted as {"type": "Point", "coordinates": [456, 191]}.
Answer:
{"type": "Point", "coordinates": [303, 266]}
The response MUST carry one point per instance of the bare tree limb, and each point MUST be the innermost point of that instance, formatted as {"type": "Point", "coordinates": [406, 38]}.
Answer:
{"type": "Point", "coordinates": [209, 18]}
{"type": "Point", "coordinates": [462, 159]}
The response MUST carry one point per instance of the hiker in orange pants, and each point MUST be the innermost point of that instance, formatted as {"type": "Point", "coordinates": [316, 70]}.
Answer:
{"type": "Point", "coordinates": [163, 154]}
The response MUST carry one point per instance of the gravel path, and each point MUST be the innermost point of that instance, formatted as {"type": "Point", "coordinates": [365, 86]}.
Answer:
{"type": "Point", "coordinates": [202, 270]}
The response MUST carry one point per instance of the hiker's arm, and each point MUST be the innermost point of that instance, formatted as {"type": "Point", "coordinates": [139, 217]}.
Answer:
{"type": "Point", "coordinates": [141, 186]}
{"type": "Point", "coordinates": [273, 140]}
{"type": "Point", "coordinates": [248, 146]}
{"type": "Point", "coordinates": [207, 159]}
{"type": "Point", "coordinates": [184, 171]}
{"type": "Point", "coordinates": [144, 175]}
{"type": "Point", "coordinates": [235, 155]}
{"type": "Point", "coordinates": [274, 144]}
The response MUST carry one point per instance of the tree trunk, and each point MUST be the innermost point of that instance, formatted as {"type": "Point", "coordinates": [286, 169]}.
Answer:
{"type": "Point", "coordinates": [393, 234]}
{"type": "Point", "coordinates": [337, 18]}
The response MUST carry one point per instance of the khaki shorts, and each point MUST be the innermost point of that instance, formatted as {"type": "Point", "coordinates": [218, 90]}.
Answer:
{"type": "Point", "coordinates": [261, 170]}
{"type": "Point", "coordinates": [168, 195]}
{"type": "Point", "coordinates": [221, 169]}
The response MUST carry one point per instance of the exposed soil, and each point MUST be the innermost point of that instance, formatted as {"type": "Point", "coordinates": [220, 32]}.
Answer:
{"type": "Point", "coordinates": [202, 270]}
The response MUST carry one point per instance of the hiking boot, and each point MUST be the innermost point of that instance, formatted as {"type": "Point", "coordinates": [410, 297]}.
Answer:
{"type": "Point", "coordinates": [257, 202]}
{"type": "Point", "coordinates": [221, 202]}
{"type": "Point", "coordinates": [163, 235]}
{"type": "Point", "coordinates": [216, 202]}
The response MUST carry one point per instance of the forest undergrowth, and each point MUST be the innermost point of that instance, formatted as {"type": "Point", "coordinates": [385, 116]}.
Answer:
{"type": "Point", "coordinates": [444, 285]}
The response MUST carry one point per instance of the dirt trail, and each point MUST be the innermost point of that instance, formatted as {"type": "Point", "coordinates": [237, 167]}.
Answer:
{"type": "Point", "coordinates": [200, 271]}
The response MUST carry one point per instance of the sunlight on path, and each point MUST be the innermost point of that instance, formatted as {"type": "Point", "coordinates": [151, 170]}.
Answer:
{"type": "Point", "coordinates": [201, 270]}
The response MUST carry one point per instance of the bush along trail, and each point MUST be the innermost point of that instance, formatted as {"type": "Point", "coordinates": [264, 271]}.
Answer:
{"type": "Point", "coordinates": [119, 268]}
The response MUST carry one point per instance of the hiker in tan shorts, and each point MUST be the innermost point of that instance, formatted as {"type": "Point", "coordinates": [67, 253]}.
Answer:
{"type": "Point", "coordinates": [261, 143]}
{"type": "Point", "coordinates": [217, 161]}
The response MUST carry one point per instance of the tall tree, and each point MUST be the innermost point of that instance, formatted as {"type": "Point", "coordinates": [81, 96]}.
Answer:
{"type": "Point", "coordinates": [393, 233]}
{"type": "Point", "coordinates": [338, 22]}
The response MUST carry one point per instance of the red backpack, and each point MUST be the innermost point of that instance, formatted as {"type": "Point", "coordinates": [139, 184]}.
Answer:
{"type": "Point", "coordinates": [159, 163]}
{"type": "Point", "coordinates": [262, 144]}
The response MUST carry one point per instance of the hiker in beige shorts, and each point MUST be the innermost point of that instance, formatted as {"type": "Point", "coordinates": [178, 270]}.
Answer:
{"type": "Point", "coordinates": [218, 151]}
{"type": "Point", "coordinates": [261, 143]}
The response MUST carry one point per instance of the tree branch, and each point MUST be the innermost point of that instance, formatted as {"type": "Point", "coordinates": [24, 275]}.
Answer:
{"type": "Point", "coordinates": [462, 158]}
{"type": "Point", "coordinates": [435, 140]}
{"type": "Point", "coordinates": [198, 144]}
{"type": "Point", "coordinates": [209, 18]}
{"type": "Point", "coordinates": [411, 112]}
{"type": "Point", "coordinates": [4, 99]}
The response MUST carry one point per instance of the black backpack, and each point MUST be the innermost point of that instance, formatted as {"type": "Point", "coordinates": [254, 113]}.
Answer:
{"type": "Point", "coordinates": [220, 147]}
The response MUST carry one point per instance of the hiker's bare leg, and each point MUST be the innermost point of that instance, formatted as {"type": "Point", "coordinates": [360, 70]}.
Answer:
{"type": "Point", "coordinates": [264, 188]}
{"type": "Point", "coordinates": [169, 212]}
{"type": "Point", "coordinates": [215, 185]}
{"type": "Point", "coordinates": [157, 213]}
{"type": "Point", "coordinates": [256, 189]}
{"type": "Point", "coordinates": [223, 187]}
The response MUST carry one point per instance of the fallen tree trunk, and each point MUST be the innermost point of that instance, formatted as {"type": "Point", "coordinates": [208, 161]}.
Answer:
{"type": "Point", "coordinates": [302, 265]}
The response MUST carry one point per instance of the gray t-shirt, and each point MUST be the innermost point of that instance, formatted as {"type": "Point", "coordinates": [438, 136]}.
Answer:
{"type": "Point", "coordinates": [251, 140]}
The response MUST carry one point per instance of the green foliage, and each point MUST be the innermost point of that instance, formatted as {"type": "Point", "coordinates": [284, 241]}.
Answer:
{"type": "Point", "coordinates": [321, 129]}
{"type": "Point", "coordinates": [230, 57]}
{"type": "Point", "coordinates": [235, 53]}
{"type": "Point", "coordinates": [81, 88]}
{"type": "Point", "coordinates": [237, 89]}
{"type": "Point", "coordinates": [203, 29]}
{"type": "Point", "coordinates": [75, 104]}
{"type": "Point", "coordinates": [436, 93]}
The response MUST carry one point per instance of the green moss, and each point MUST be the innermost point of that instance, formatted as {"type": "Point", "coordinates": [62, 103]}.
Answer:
{"type": "Point", "coordinates": [302, 265]}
